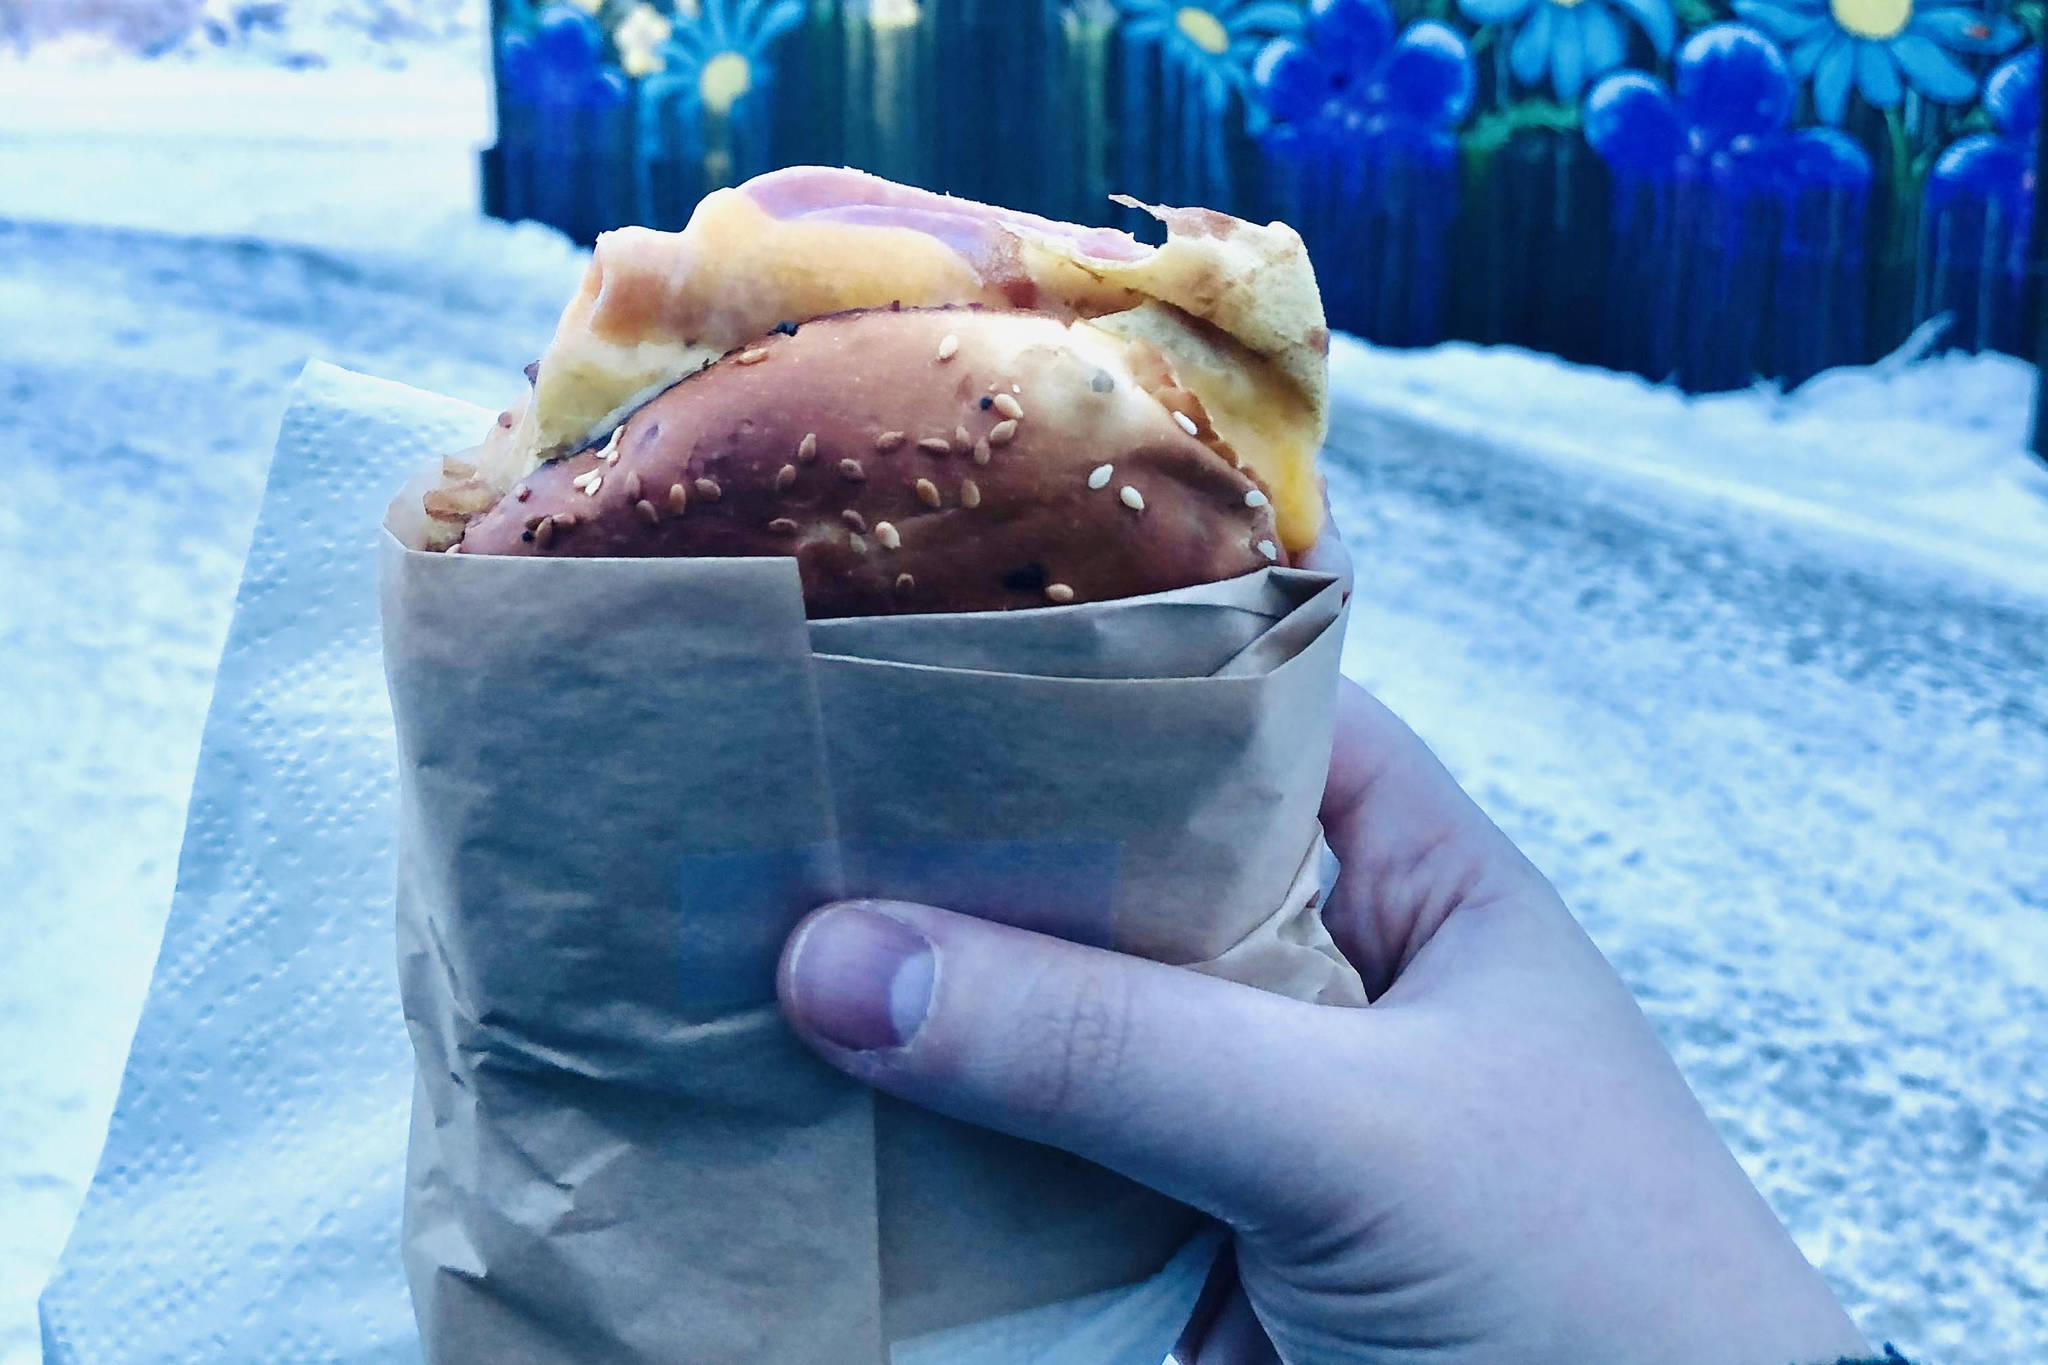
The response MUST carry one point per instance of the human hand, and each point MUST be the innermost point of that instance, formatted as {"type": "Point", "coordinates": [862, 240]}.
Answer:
{"type": "Point", "coordinates": [1496, 1161]}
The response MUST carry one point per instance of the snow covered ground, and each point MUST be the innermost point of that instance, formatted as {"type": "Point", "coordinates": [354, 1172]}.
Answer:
{"type": "Point", "coordinates": [1758, 680]}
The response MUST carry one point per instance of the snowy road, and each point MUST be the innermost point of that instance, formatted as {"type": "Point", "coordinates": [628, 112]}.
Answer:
{"type": "Point", "coordinates": [1792, 781]}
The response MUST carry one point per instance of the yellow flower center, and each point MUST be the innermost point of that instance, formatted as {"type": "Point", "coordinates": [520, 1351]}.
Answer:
{"type": "Point", "coordinates": [893, 14]}
{"type": "Point", "coordinates": [1878, 19]}
{"type": "Point", "coordinates": [726, 77]}
{"type": "Point", "coordinates": [1203, 29]}
{"type": "Point", "coordinates": [638, 35]}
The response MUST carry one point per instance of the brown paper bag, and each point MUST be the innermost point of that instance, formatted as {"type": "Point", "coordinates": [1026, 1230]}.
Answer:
{"type": "Point", "coordinates": [623, 781]}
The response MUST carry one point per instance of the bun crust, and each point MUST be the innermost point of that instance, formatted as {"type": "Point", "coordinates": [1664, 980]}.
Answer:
{"type": "Point", "coordinates": [927, 460]}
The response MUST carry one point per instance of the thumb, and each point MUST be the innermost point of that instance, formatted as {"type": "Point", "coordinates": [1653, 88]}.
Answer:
{"type": "Point", "coordinates": [1198, 1087]}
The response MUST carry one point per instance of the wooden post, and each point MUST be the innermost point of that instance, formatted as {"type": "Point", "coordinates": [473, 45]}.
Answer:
{"type": "Point", "coordinates": [491, 158]}
{"type": "Point", "coordinates": [2037, 282]}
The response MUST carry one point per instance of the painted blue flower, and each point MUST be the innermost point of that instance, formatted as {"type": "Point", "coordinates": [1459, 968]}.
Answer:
{"type": "Point", "coordinates": [1212, 44]}
{"type": "Point", "coordinates": [1880, 48]}
{"type": "Point", "coordinates": [1349, 70]}
{"type": "Point", "coordinates": [715, 56]}
{"type": "Point", "coordinates": [1723, 124]}
{"type": "Point", "coordinates": [558, 62]}
{"type": "Point", "coordinates": [1573, 41]}
{"type": "Point", "coordinates": [1997, 168]}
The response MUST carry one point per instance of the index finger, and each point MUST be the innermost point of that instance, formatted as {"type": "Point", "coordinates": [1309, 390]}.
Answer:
{"type": "Point", "coordinates": [1413, 847]}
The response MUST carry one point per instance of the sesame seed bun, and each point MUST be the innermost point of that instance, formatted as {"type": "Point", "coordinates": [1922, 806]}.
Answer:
{"type": "Point", "coordinates": [914, 460]}
{"type": "Point", "coordinates": [1233, 305]}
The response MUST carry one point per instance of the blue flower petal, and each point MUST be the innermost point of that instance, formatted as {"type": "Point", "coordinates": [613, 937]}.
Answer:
{"type": "Point", "coordinates": [1732, 83]}
{"type": "Point", "coordinates": [567, 39]}
{"type": "Point", "coordinates": [1632, 122]}
{"type": "Point", "coordinates": [1825, 158]}
{"type": "Point", "coordinates": [1568, 53]}
{"type": "Point", "coordinates": [1800, 64]}
{"type": "Point", "coordinates": [2012, 95]}
{"type": "Point", "coordinates": [1980, 168]}
{"type": "Point", "coordinates": [1876, 77]}
{"type": "Point", "coordinates": [1791, 166]}
{"type": "Point", "coordinates": [1428, 77]}
{"type": "Point", "coordinates": [778, 19]}
{"type": "Point", "coordinates": [1831, 81]}
{"type": "Point", "coordinates": [1967, 29]}
{"type": "Point", "coordinates": [1787, 26]}
{"type": "Point", "coordinates": [1931, 71]}
{"type": "Point", "coordinates": [611, 90]}
{"type": "Point", "coordinates": [1484, 12]}
{"type": "Point", "coordinates": [1351, 35]}
{"type": "Point", "coordinates": [1606, 45]}
{"type": "Point", "coordinates": [1531, 52]}
{"type": "Point", "coordinates": [1656, 20]}
{"type": "Point", "coordinates": [1268, 18]}
{"type": "Point", "coordinates": [1295, 82]}
{"type": "Point", "coordinates": [518, 63]}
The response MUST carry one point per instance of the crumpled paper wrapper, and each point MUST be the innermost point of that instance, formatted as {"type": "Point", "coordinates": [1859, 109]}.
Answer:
{"type": "Point", "coordinates": [247, 1205]}
{"type": "Point", "coordinates": [623, 781]}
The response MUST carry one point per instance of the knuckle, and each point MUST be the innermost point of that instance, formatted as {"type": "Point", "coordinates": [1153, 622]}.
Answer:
{"type": "Point", "coordinates": [1072, 1045]}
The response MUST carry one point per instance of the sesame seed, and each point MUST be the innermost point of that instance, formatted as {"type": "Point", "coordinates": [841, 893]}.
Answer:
{"type": "Point", "coordinates": [949, 346]}
{"type": "Point", "coordinates": [457, 549]}
{"type": "Point", "coordinates": [1008, 406]}
{"type": "Point", "coordinates": [632, 487]}
{"type": "Point", "coordinates": [709, 490]}
{"type": "Point", "coordinates": [886, 533]}
{"type": "Point", "coordinates": [784, 477]}
{"type": "Point", "coordinates": [534, 521]}
{"type": "Point", "coordinates": [753, 355]}
{"type": "Point", "coordinates": [807, 448]}
{"type": "Point", "coordinates": [678, 498]}
{"type": "Point", "coordinates": [1003, 432]}
{"type": "Point", "coordinates": [888, 440]}
{"type": "Point", "coordinates": [565, 521]}
{"type": "Point", "coordinates": [1131, 498]}
{"type": "Point", "coordinates": [1186, 422]}
{"type": "Point", "coordinates": [850, 469]}
{"type": "Point", "coordinates": [970, 493]}
{"type": "Point", "coordinates": [935, 445]}
{"type": "Point", "coordinates": [582, 482]}
{"type": "Point", "coordinates": [859, 544]}
{"type": "Point", "coordinates": [521, 493]}
{"type": "Point", "coordinates": [904, 582]}
{"type": "Point", "coordinates": [981, 452]}
{"type": "Point", "coordinates": [783, 526]}
{"type": "Point", "coordinates": [1059, 592]}
{"type": "Point", "coordinates": [649, 513]}
{"type": "Point", "coordinates": [1098, 477]}
{"type": "Point", "coordinates": [927, 492]}
{"type": "Point", "coordinates": [590, 489]}
{"type": "Point", "coordinates": [854, 519]}
{"type": "Point", "coordinates": [611, 445]}
{"type": "Point", "coordinates": [1254, 498]}
{"type": "Point", "coordinates": [544, 533]}
{"type": "Point", "coordinates": [987, 402]}
{"type": "Point", "coordinates": [961, 438]}
{"type": "Point", "coordinates": [1268, 549]}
